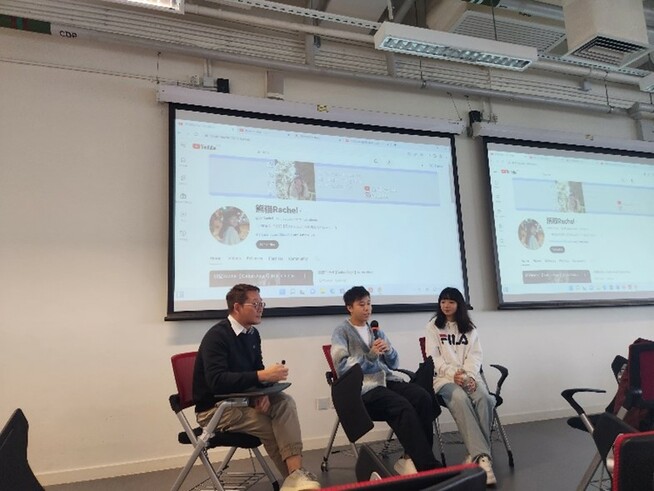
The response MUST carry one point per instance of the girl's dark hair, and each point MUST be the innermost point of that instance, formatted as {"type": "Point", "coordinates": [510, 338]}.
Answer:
{"type": "Point", "coordinates": [461, 316]}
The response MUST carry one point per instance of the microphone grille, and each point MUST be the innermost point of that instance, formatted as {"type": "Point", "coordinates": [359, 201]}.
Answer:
{"type": "Point", "coordinates": [374, 325]}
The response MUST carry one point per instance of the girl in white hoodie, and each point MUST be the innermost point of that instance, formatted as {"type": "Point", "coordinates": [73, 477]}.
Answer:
{"type": "Point", "coordinates": [453, 343]}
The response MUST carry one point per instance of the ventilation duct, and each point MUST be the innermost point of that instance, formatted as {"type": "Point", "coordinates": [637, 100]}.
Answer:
{"type": "Point", "coordinates": [469, 19]}
{"type": "Point", "coordinates": [609, 33]}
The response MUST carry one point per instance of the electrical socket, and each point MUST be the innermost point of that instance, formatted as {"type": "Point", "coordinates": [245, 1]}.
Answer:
{"type": "Point", "coordinates": [324, 403]}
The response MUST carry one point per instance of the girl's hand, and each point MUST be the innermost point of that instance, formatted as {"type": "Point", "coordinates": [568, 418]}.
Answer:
{"type": "Point", "coordinates": [459, 377]}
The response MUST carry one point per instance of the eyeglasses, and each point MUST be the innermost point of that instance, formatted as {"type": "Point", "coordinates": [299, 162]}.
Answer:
{"type": "Point", "coordinates": [256, 305]}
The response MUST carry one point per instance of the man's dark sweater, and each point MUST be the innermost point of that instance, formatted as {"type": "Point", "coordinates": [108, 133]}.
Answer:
{"type": "Point", "coordinates": [225, 363]}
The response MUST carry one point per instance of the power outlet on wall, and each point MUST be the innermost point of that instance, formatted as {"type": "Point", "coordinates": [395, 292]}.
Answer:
{"type": "Point", "coordinates": [324, 403]}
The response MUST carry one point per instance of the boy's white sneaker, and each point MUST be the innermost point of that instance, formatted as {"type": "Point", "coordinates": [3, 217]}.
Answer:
{"type": "Point", "coordinates": [405, 466]}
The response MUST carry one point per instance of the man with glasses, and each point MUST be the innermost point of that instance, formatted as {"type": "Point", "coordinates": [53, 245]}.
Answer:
{"type": "Point", "coordinates": [230, 360]}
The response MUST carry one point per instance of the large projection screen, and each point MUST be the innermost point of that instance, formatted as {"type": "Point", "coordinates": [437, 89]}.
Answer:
{"type": "Point", "coordinates": [305, 209]}
{"type": "Point", "coordinates": [573, 226]}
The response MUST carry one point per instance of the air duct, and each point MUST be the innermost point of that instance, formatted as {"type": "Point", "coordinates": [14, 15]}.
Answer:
{"type": "Point", "coordinates": [609, 33]}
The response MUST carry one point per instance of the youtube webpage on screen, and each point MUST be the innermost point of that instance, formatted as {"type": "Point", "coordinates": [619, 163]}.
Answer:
{"type": "Point", "coordinates": [572, 225]}
{"type": "Point", "coordinates": [307, 211]}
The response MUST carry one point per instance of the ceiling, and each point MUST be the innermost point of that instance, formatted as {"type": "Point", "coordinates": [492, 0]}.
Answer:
{"type": "Point", "coordinates": [335, 38]}
{"type": "Point", "coordinates": [525, 22]}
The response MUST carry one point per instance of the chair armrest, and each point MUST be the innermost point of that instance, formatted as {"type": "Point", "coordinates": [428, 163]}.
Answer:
{"type": "Point", "coordinates": [504, 372]}
{"type": "Point", "coordinates": [568, 395]}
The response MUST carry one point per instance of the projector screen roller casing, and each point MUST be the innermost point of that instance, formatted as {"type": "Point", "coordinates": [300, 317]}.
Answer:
{"type": "Point", "coordinates": [306, 209]}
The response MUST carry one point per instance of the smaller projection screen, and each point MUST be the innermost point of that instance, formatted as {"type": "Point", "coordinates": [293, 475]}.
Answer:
{"type": "Point", "coordinates": [573, 226]}
{"type": "Point", "coordinates": [306, 209]}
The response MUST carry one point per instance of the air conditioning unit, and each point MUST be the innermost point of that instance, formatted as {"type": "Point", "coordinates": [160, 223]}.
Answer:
{"type": "Point", "coordinates": [508, 26]}
{"type": "Point", "coordinates": [609, 33]}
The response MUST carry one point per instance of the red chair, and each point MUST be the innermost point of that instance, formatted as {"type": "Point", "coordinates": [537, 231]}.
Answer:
{"type": "Point", "coordinates": [631, 409]}
{"type": "Point", "coordinates": [468, 477]}
{"type": "Point", "coordinates": [633, 462]}
{"type": "Point", "coordinates": [497, 424]}
{"type": "Point", "coordinates": [208, 437]}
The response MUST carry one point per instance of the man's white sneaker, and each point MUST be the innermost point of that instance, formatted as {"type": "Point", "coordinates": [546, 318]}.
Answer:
{"type": "Point", "coordinates": [300, 480]}
{"type": "Point", "coordinates": [484, 462]}
{"type": "Point", "coordinates": [405, 466]}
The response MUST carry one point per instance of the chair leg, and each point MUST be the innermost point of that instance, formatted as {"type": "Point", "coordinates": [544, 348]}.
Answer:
{"type": "Point", "coordinates": [324, 466]}
{"type": "Point", "coordinates": [590, 472]}
{"type": "Point", "coordinates": [504, 437]}
{"type": "Point", "coordinates": [439, 437]}
{"type": "Point", "coordinates": [387, 444]}
{"type": "Point", "coordinates": [266, 469]}
{"type": "Point", "coordinates": [226, 460]}
{"type": "Point", "coordinates": [201, 452]}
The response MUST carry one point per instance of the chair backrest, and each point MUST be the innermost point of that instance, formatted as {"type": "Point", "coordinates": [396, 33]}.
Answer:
{"type": "Point", "coordinates": [641, 373]}
{"type": "Point", "coordinates": [15, 471]}
{"type": "Point", "coordinates": [633, 468]}
{"type": "Point", "coordinates": [183, 365]}
{"type": "Point", "coordinates": [423, 347]}
{"type": "Point", "coordinates": [327, 351]}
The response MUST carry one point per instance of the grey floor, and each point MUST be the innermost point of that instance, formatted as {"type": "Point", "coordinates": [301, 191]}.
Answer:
{"type": "Point", "coordinates": [548, 455]}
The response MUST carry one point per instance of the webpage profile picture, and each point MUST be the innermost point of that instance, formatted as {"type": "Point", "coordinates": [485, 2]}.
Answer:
{"type": "Point", "coordinates": [229, 225]}
{"type": "Point", "coordinates": [531, 234]}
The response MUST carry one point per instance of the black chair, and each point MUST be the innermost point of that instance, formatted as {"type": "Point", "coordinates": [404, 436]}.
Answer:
{"type": "Point", "coordinates": [628, 412]}
{"type": "Point", "coordinates": [208, 437]}
{"type": "Point", "coordinates": [15, 472]}
{"type": "Point", "coordinates": [496, 427]}
{"type": "Point", "coordinates": [351, 413]}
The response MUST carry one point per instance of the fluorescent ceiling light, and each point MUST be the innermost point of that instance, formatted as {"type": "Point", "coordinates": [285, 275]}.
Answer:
{"type": "Point", "coordinates": [169, 5]}
{"type": "Point", "coordinates": [410, 40]}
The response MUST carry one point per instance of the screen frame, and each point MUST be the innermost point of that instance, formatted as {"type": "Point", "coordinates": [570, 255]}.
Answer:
{"type": "Point", "coordinates": [549, 304]}
{"type": "Point", "coordinates": [173, 315]}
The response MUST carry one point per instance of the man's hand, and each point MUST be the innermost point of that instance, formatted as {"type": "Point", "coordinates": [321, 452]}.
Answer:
{"type": "Point", "coordinates": [379, 347]}
{"type": "Point", "coordinates": [273, 373]}
{"type": "Point", "coordinates": [261, 404]}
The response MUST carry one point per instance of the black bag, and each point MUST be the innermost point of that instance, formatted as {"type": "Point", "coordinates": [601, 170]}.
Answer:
{"type": "Point", "coordinates": [424, 377]}
{"type": "Point", "coordinates": [346, 396]}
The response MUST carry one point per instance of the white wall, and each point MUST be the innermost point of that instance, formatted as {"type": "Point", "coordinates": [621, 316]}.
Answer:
{"type": "Point", "coordinates": [84, 349]}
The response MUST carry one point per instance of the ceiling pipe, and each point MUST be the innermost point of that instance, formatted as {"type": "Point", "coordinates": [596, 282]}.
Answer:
{"type": "Point", "coordinates": [342, 74]}
{"type": "Point", "coordinates": [277, 24]}
{"type": "Point", "coordinates": [585, 72]}
{"type": "Point", "coordinates": [403, 10]}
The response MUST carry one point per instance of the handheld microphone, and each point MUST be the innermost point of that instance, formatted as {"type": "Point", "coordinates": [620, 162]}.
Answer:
{"type": "Point", "coordinates": [374, 325]}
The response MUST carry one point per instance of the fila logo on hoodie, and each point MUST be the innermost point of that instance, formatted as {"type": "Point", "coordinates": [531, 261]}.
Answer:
{"type": "Point", "coordinates": [451, 339]}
